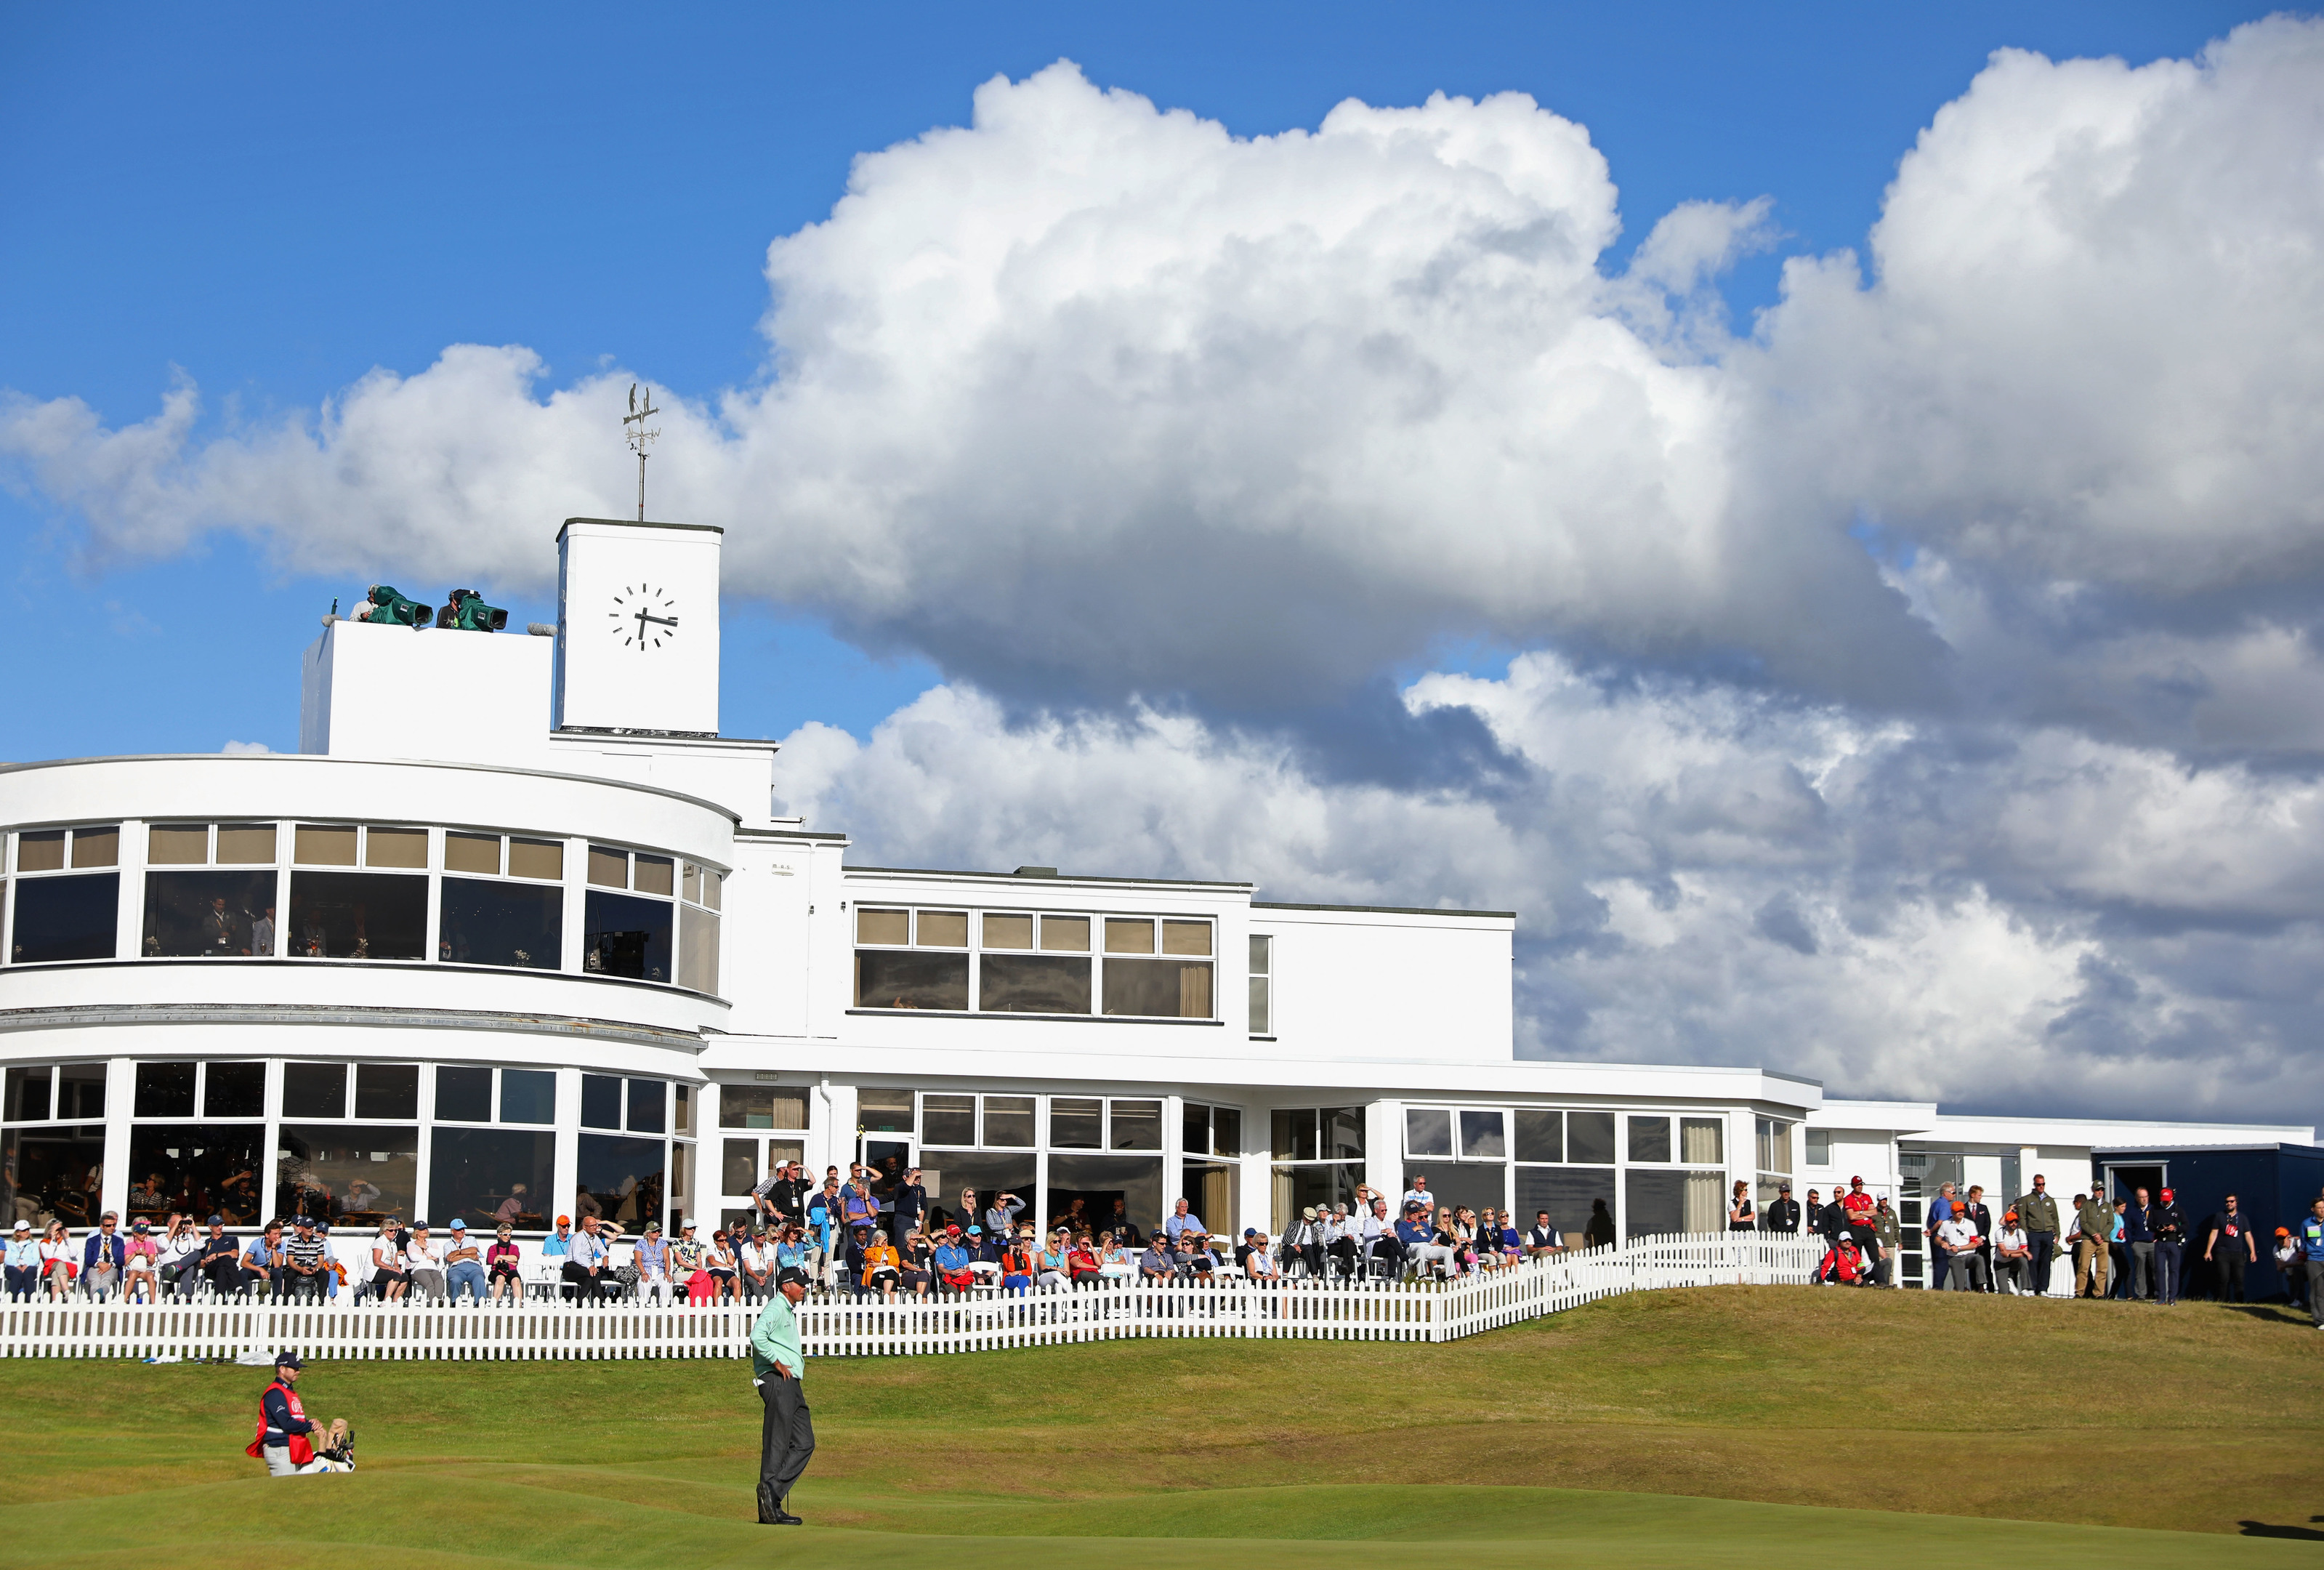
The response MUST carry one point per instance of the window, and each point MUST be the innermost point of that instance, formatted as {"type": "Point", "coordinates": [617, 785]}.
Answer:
{"type": "Point", "coordinates": [701, 890]}
{"type": "Point", "coordinates": [199, 1168]}
{"type": "Point", "coordinates": [601, 1102]}
{"type": "Point", "coordinates": [314, 1090]}
{"type": "Point", "coordinates": [1008, 1121]}
{"type": "Point", "coordinates": [897, 976]}
{"type": "Point", "coordinates": [1134, 1125]}
{"type": "Point", "coordinates": [387, 1090]}
{"type": "Point", "coordinates": [353, 1174]}
{"type": "Point", "coordinates": [1650, 1139]}
{"type": "Point", "coordinates": [1774, 1138]}
{"type": "Point", "coordinates": [1540, 1135]}
{"type": "Point", "coordinates": [70, 917]}
{"type": "Point", "coordinates": [649, 1106]}
{"type": "Point", "coordinates": [1568, 1193]}
{"type": "Point", "coordinates": [1318, 1158]}
{"type": "Point", "coordinates": [761, 1106]}
{"type": "Point", "coordinates": [1427, 1132]}
{"type": "Point", "coordinates": [50, 1173]}
{"type": "Point", "coordinates": [1702, 1142]}
{"type": "Point", "coordinates": [606, 1100]}
{"type": "Point", "coordinates": [1213, 1131]}
{"type": "Point", "coordinates": [464, 1095]}
{"type": "Point", "coordinates": [1075, 1123]}
{"type": "Point", "coordinates": [527, 1095]}
{"type": "Point", "coordinates": [883, 1110]}
{"type": "Point", "coordinates": [41, 1092]}
{"type": "Point", "coordinates": [1589, 1138]}
{"type": "Point", "coordinates": [1262, 1016]}
{"type": "Point", "coordinates": [621, 1179]}
{"type": "Point", "coordinates": [1034, 983]}
{"type": "Point", "coordinates": [216, 914]}
{"type": "Point", "coordinates": [164, 1090]}
{"type": "Point", "coordinates": [948, 1120]}
{"type": "Point", "coordinates": [1660, 1204]}
{"type": "Point", "coordinates": [487, 1174]}
{"type": "Point", "coordinates": [1165, 988]}
{"type": "Point", "coordinates": [26, 1098]}
{"type": "Point", "coordinates": [515, 920]}
{"type": "Point", "coordinates": [628, 934]}
{"type": "Point", "coordinates": [233, 1090]}
{"type": "Point", "coordinates": [1819, 1147]}
{"type": "Point", "coordinates": [366, 915]}
{"type": "Point", "coordinates": [1482, 1137]}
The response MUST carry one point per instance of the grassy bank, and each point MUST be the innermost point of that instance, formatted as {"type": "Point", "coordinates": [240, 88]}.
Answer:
{"type": "Point", "coordinates": [1731, 1426]}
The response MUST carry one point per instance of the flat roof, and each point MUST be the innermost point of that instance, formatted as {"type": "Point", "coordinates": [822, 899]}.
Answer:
{"type": "Point", "coordinates": [1042, 878]}
{"type": "Point", "coordinates": [1382, 909]}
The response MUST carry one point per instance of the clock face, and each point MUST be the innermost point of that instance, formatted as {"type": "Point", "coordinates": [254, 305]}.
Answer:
{"type": "Point", "coordinates": [643, 617]}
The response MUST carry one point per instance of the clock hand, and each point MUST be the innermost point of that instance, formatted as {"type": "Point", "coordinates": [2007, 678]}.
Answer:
{"type": "Point", "coordinates": [665, 620]}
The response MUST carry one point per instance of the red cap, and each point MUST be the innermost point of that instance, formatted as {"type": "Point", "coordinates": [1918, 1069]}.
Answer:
{"type": "Point", "coordinates": [1856, 1179]}
{"type": "Point", "coordinates": [2166, 1193]}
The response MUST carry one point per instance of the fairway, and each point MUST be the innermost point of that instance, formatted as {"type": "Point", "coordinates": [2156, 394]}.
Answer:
{"type": "Point", "coordinates": [1732, 1427]}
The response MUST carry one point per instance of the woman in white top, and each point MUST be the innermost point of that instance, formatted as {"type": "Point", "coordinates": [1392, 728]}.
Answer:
{"type": "Point", "coordinates": [1259, 1265]}
{"type": "Point", "coordinates": [422, 1263]}
{"type": "Point", "coordinates": [388, 1279]}
{"type": "Point", "coordinates": [182, 1245]}
{"type": "Point", "coordinates": [2013, 1255]}
{"type": "Point", "coordinates": [1113, 1260]}
{"type": "Point", "coordinates": [58, 1258]}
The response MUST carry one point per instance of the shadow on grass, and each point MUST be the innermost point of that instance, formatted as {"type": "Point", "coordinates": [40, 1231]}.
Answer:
{"type": "Point", "coordinates": [2297, 1534]}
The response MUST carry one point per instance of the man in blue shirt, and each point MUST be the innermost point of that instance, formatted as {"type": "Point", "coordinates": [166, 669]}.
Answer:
{"type": "Point", "coordinates": [2311, 1237]}
{"type": "Point", "coordinates": [951, 1260]}
{"type": "Point", "coordinates": [1183, 1219]}
{"type": "Point", "coordinates": [777, 1366]}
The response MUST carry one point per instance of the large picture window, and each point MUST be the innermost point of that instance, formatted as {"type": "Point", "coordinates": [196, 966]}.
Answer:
{"type": "Point", "coordinates": [358, 915]}
{"type": "Point", "coordinates": [621, 1178]}
{"type": "Point", "coordinates": [626, 936]}
{"type": "Point", "coordinates": [351, 1173]}
{"type": "Point", "coordinates": [58, 920]}
{"type": "Point", "coordinates": [209, 915]}
{"type": "Point", "coordinates": [518, 925]}
{"type": "Point", "coordinates": [485, 1175]}
{"type": "Point", "coordinates": [200, 1169]}
{"type": "Point", "coordinates": [52, 1173]}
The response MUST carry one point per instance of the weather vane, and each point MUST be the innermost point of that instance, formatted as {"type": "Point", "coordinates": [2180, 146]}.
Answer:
{"type": "Point", "coordinates": [640, 439]}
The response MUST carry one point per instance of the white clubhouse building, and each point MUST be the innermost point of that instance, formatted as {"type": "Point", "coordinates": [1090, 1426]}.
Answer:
{"type": "Point", "coordinates": [517, 923]}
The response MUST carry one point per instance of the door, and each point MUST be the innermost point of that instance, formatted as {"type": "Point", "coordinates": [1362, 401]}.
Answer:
{"type": "Point", "coordinates": [2123, 1182]}
{"type": "Point", "coordinates": [890, 1157]}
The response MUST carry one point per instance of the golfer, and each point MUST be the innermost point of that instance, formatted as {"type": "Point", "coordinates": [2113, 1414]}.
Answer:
{"type": "Point", "coordinates": [787, 1437]}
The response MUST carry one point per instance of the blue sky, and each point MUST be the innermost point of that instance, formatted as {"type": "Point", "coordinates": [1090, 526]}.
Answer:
{"type": "Point", "coordinates": [276, 200]}
{"type": "Point", "coordinates": [1818, 510]}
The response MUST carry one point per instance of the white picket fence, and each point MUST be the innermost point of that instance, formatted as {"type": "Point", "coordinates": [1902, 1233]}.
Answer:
{"type": "Point", "coordinates": [843, 1326]}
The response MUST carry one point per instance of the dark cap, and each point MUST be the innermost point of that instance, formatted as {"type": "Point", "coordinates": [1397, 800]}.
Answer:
{"type": "Point", "coordinates": [288, 1360]}
{"type": "Point", "coordinates": [791, 1277]}
{"type": "Point", "coordinates": [217, 1220]}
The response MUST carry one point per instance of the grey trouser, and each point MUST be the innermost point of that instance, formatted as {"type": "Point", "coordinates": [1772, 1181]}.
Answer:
{"type": "Point", "coordinates": [2315, 1271]}
{"type": "Point", "coordinates": [2142, 1270]}
{"type": "Point", "coordinates": [2017, 1272]}
{"type": "Point", "coordinates": [1967, 1272]}
{"type": "Point", "coordinates": [278, 1463]}
{"type": "Point", "coordinates": [786, 1440]}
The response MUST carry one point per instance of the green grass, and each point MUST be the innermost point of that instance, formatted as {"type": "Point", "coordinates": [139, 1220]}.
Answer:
{"type": "Point", "coordinates": [1732, 1427]}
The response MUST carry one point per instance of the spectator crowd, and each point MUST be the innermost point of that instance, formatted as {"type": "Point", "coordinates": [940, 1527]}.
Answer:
{"type": "Point", "coordinates": [892, 1239]}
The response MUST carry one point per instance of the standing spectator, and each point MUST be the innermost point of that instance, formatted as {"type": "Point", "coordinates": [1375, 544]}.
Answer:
{"type": "Point", "coordinates": [1783, 1214]}
{"type": "Point", "coordinates": [1982, 1219]}
{"type": "Point", "coordinates": [1833, 1223]}
{"type": "Point", "coordinates": [2094, 1219]}
{"type": "Point", "coordinates": [2138, 1234]}
{"type": "Point", "coordinates": [1599, 1230]}
{"type": "Point", "coordinates": [267, 1264]}
{"type": "Point", "coordinates": [1003, 1215]}
{"type": "Point", "coordinates": [1119, 1223]}
{"type": "Point", "coordinates": [912, 1205]}
{"type": "Point", "coordinates": [1742, 1216]}
{"type": "Point", "coordinates": [585, 1260]}
{"type": "Point", "coordinates": [857, 1207]}
{"type": "Point", "coordinates": [2037, 1212]}
{"type": "Point", "coordinates": [1418, 1195]}
{"type": "Point", "coordinates": [23, 1267]}
{"type": "Point", "coordinates": [389, 1281]}
{"type": "Point", "coordinates": [60, 1260]}
{"type": "Point", "coordinates": [103, 1258]}
{"type": "Point", "coordinates": [2012, 1254]}
{"type": "Point", "coordinates": [2228, 1247]}
{"type": "Point", "coordinates": [1857, 1210]}
{"type": "Point", "coordinates": [1960, 1237]}
{"type": "Point", "coordinates": [1888, 1237]}
{"type": "Point", "coordinates": [464, 1265]}
{"type": "Point", "coordinates": [2120, 1253]}
{"type": "Point", "coordinates": [503, 1266]}
{"type": "Point", "coordinates": [2170, 1224]}
{"type": "Point", "coordinates": [1180, 1218]}
{"type": "Point", "coordinates": [1940, 1211]}
{"type": "Point", "coordinates": [423, 1263]}
{"type": "Point", "coordinates": [1542, 1239]}
{"type": "Point", "coordinates": [2310, 1240]}
{"type": "Point", "coordinates": [302, 1258]}
{"type": "Point", "coordinates": [1812, 1218]}
{"type": "Point", "coordinates": [2287, 1256]}
{"type": "Point", "coordinates": [822, 1213]}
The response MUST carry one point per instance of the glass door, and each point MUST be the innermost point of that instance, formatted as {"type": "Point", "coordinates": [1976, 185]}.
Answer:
{"type": "Point", "coordinates": [889, 1157]}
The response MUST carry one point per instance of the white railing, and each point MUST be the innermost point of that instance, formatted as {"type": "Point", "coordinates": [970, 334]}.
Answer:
{"type": "Point", "coordinates": [841, 1326]}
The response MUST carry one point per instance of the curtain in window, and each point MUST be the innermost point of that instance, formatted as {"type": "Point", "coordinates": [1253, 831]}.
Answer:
{"type": "Point", "coordinates": [1698, 1141]}
{"type": "Point", "coordinates": [1706, 1206]}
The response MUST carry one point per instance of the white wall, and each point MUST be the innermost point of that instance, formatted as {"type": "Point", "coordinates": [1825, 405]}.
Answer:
{"type": "Point", "coordinates": [1354, 985]}
{"type": "Point", "coordinates": [608, 572]}
{"type": "Point", "coordinates": [372, 690]}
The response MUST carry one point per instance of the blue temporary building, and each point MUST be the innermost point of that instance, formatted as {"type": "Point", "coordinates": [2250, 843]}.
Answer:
{"type": "Point", "coordinates": [2274, 1183]}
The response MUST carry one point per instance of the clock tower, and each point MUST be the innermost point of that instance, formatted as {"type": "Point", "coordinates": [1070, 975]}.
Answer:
{"type": "Point", "coordinates": [637, 628]}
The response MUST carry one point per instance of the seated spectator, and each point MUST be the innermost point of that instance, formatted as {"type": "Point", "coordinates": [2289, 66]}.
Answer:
{"type": "Point", "coordinates": [791, 1249]}
{"type": "Point", "coordinates": [1113, 1260]}
{"type": "Point", "coordinates": [1958, 1233]}
{"type": "Point", "coordinates": [951, 1260]}
{"type": "Point", "coordinates": [422, 1263]}
{"type": "Point", "coordinates": [503, 1263]}
{"type": "Point", "coordinates": [1844, 1264]}
{"type": "Point", "coordinates": [1418, 1242]}
{"type": "Point", "coordinates": [920, 1273]}
{"type": "Point", "coordinates": [2013, 1255]}
{"type": "Point", "coordinates": [883, 1268]}
{"type": "Point", "coordinates": [1258, 1264]}
{"type": "Point", "coordinates": [103, 1258]}
{"type": "Point", "coordinates": [464, 1264]}
{"type": "Point", "coordinates": [690, 1265]}
{"type": "Point", "coordinates": [1018, 1262]}
{"type": "Point", "coordinates": [266, 1266]}
{"type": "Point", "coordinates": [650, 1259]}
{"type": "Point", "coordinates": [1542, 1239]}
{"type": "Point", "coordinates": [1158, 1266]}
{"type": "Point", "coordinates": [179, 1265]}
{"type": "Point", "coordinates": [389, 1279]}
{"type": "Point", "coordinates": [1118, 1224]}
{"type": "Point", "coordinates": [1081, 1264]}
{"type": "Point", "coordinates": [23, 1267]}
{"type": "Point", "coordinates": [1303, 1243]}
{"type": "Point", "coordinates": [303, 1266]}
{"type": "Point", "coordinates": [60, 1260]}
{"type": "Point", "coordinates": [724, 1270]}
{"type": "Point", "coordinates": [756, 1262]}
{"type": "Point", "coordinates": [1053, 1263]}
{"type": "Point", "coordinates": [1181, 1218]}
